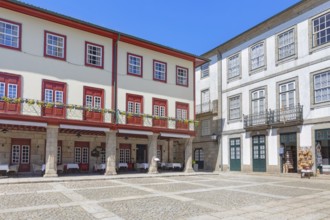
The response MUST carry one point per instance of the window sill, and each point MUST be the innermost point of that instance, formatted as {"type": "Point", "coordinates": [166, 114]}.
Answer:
{"type": "Point", "coordinates": [236, 78]}
{"type": "Point", "coordinates": [234, 120]}
{"type": "Point", "coordinates": [320, 105]}
{"type": "Point", "coordinates": [286, 60]}
{"type": "Point", "coordinates": [260, 69]}
{"type": "Point", "coordinates": [318, 48]}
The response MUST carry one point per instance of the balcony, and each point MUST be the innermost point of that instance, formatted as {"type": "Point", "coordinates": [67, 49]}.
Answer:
{"type": "Point", "coordinates": [275, 118]}
{"type": "Point", "coordinates": [207, 107]}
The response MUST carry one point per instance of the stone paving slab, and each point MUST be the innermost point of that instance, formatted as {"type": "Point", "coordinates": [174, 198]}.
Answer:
{"type": "Point", "coordinates": [159, 208]}
{"type": "Point", "coordinates": [89, 184]}
{"type": "Point", "coordinates": [175, 187]}
{"type": "Point", "coordinates": [23, 188]}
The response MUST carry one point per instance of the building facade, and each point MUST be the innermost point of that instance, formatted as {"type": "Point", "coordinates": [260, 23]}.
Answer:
{"type": "Point", "coordinates": [274, 92]}
{"type": "Point", "coordinates": [74, 92]}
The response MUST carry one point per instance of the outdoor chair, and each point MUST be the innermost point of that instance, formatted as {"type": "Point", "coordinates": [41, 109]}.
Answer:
{"type": "Point", "coordinates": [37, 169]}
{"type": "Point", "coordinates": [13, 169]}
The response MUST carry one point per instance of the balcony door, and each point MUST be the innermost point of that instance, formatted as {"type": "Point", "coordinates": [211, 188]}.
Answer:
{"type": "Point", "coordinates": [205, 100]}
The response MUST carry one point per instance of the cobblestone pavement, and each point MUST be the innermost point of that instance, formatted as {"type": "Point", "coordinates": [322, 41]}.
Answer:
{"type": "Point", "coordinates": [208, 196]}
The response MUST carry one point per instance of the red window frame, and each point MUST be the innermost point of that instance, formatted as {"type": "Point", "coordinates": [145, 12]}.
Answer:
{"type": "Point", "coordinates": [20, 141]}
{"type": "Point", "coordinates": [92, 115]}
{"type": "Point", "coordinates": [177, 83]}
{"type": "Point", "coordinates": [134, 120]}
{"type": "Point", "coordinates": [133, 74]}
{"type": "Point", "coordinates": [182, 124]}
{"type": "Point", "coordinates": [86, 55]}
{"type": "Point", "coordinates": [154, 72]}
{"type": "Point", "coordinates": [159, 122]}
{"type": "Point", "coordinates": [19, 35]}
{"type": "Point", "coordinates": [7, 78]}
{"type": "Point", "coordinates": [58, 112]}
{"type": "Point", "coordinates": [45, 46]}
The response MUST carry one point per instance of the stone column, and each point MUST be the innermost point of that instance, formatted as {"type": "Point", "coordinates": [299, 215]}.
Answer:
{"type": "Point", "coordinates": [110, 152]}
{"type": "Point", "coordinates": [218, 163]}
{"type": "Point", "coordinates": [51, 151]}
{"type": "Point", "coordinates": [188, 155]}
{"type": "Point", "coordinates": [170, 150]}
{"type": "Point", "coordinates": [152, 153]}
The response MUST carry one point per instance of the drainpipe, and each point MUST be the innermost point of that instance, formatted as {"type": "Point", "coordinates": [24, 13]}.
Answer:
{"type": "Point", "coordinates": [115, 60]}
{"type": "Point", "coordinates": [219, 138]}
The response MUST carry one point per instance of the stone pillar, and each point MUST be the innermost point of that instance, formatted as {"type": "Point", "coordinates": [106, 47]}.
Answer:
{"type": "Point", "coordinates": [152, 153]}
{"type": "Point", "coordinates": [110, 152]}
{"type": "Point", "coordinates": [188, 155]}
{"type": "Point", "coordinates": [218, 163]}
{"type": "Point", "coordinates": [51, 151]}
{"type": "Point", "coordinates": [170, 150]}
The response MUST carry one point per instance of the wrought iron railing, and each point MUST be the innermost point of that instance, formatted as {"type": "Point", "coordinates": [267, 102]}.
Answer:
{"type": "Point", "coordinates": [206, 107]}
{"type": "Point", "coordinates": [273, 117]}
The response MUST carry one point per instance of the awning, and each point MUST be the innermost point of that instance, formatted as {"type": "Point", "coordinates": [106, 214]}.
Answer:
{"type": "Point", "coordinates": [84, 128]}
{"type": "Point", "coordinates": [125, 131]}
{"type": "Point", "coordinates": [23, 123]}
{"type": "Point", "coordinates": [174, 135]}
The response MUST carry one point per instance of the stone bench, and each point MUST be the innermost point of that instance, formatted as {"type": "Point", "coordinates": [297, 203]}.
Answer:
{"type": "Point", "coordinates": [306, 173]}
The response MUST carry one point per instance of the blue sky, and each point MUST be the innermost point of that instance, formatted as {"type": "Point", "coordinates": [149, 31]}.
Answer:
{"type": "Point", "coordinates": [193, 26]}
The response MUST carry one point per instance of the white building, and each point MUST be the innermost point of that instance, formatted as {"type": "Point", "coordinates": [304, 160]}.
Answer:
{"type": "Point", "coordinates": [274, 90]}
{"type": "Point", "coordinates": [71, 91]}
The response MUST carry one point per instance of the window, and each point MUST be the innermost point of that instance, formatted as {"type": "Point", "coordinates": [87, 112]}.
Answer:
{"type": "Point", "coordinates": [93, 99]}
{"type": "Point", "coordinates": [235, 107]}
{"type": "Point", "coordinates": [160, 73]}
{"type": "Point", "coordinates": [206, 127]}
{"type": "Point", "coordinates": [10, 88]}
{"type": "Point", "coordinates": [205, 70]}
{"type": "Point", "coordinates": [134, 65]}
{"type": "Point", "coordinates": [257, 53]}
{"type": "Point", "coordinates": [181, 76]}
{"type": "Point", "coordinates": [53, 92]}
{"type": "Point", "coordinates": [55, 45]}
{"type": "Point", "coordinates": [159, 110]}
{"type": "Point", "coordinates": [322, 87]}
{"type": "Point", "coordinates": [234, 66]}
{"type": "Point", "coordinates": [134, 107]}
{"type": "Point", "coordinates": [182, 114]}
{"type": "Point", "coordinates": [102, 153]}
{"type": "Point", "coordinates": [258, 102]}
{"type": "Point", "coordinates": [321, 30]}
{"type": "Point", "coordinates": [205, 100]}
{"type": "Point", "coordinates": [10, 34]}
{"type": "Point", "coordinates": [94, 55]}
{"type": "Point", "coordinates": [287, 95]}
{"type": "Point", "coordinates": [124, 153]}
{"type": "Point", "coordinates": [286, 44]}
{"type": "Point", "coordinates": [59, 152]}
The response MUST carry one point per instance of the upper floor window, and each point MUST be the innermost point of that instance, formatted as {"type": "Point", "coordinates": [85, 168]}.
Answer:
{"type": "Point", "coordinates": [55, 45]}
{"type": "Point", "coordinates": [321, 30]}
{"type": "Point", "coordinates": [53, 92]}
{"type": "Point", "coordinates": [160, 71]}
{"type": "Point", "coordinates": [287, 95]}
{"type": "Point", "coordinates": [234, 66]}
{"type": "Point", "coordinates": [159, 110]}
{"type": "Point", "coordinates": [258, 100]}
{"type": "Point", "coordinates": [322, 87]}
{"type": "Point", "coordinates": [94, 55]}
{"type": "Point", "coordinates": [10, 88]}
{"type": "Point", "coordinates": [10, 34]}
{"type": "Point", "coordinates": [182, 114]}
{"type": "Point", "coordinates": [206, 127]}
{"type": "Point", "coordinates": [181, 76]}
{"type": "Point", "coordinates": [134, 106]}
{"type": "Point", "coordinates": [205, 70]}
{"type": "Point", "coordinates": [286, 44]}
{"type": "Point", "coordinates": [93, 99]}
{"type": "Point", "coordinates": [134, 65]}
{"type": "Point", "coordinates": [235, 107]}
{"type": "Point", "coordinates": [257, 53]}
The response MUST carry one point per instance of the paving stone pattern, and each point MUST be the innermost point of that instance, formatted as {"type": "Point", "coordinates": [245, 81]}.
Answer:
{"type": "Point", "coordinates": [218, 196]}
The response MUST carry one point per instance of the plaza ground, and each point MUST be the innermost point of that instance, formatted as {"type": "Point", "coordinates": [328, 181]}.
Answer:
{"type": "Point", "coordinates": [166, 196]}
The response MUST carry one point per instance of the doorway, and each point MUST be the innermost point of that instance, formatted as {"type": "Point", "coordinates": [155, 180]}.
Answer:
{"type": "Point", "coordinates": [289, 141]}
{"type": "Point", "coordinates": [141, 153]}
{"type": "Point", "coordinates": [21, 153]}
{"type": "Point", "coordinates": [199, 158]}
{"type": "Point", "coordinates": [235, 154]}
{"type": "Point", "coordinates": [259, 153]}
{"type": "Point", "coordinates": [81, 155]}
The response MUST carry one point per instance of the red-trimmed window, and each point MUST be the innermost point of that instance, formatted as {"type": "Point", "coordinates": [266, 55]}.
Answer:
{"type": "Point", "coordinates": [159, 110]}
{"type": "Point", "coordinates": [182, 114]}
{"type": "Point", "coordinates": [94, 55]}
{"type": "Point", "coordinates": [134, 107]}
{"type": "Point", "coordinates": [134, 65]}
{"type": "Point", "coordinates": [55, 93]}
{"type": "Point", "coordinates": [55, 46]}
{"type": "Point", "coordinates": [125, 153]}
{"type": "Point", "coordinates": [10, 87]}
{"type": "Point", "coordinates": [160, 71]}
{"type": "Point", "coordinates": [93, 99]}
{"type": "Point", "coordinates": [10, 34]}
{"type": "Point", "coordinates": [181, 76]}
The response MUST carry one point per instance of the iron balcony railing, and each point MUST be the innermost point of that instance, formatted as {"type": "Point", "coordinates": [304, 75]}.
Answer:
{"type": "Point", "coordinates": [292, 114]}
{"type": "Point", "coordinates": [207, 107]}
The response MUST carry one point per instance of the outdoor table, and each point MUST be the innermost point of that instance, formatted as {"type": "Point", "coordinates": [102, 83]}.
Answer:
{"type": "Point", "coordinates": [43, 167]}
{"type": "Point", "coordinates": [101, 166]}
{"type": "Point", "coordinates": [4, 167]}
{"type": "Point", "coordinates": [142, 166]}
{"type": "Point", "coordinates": [124, 165]}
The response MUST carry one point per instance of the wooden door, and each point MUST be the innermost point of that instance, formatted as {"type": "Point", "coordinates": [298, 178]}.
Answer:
{"type": "Point", "coordinates": [235, 154]}
{"type": "Point", "coordinates": [134, 108]}
{"type": "Point", "coordinates": [259, 153]}
{"type": "Point", "coordinates": [21, 153]}
{"type": "Point", "coordinates": [93, 98]}
{"type": "Point", "coordinates": [81, 155]}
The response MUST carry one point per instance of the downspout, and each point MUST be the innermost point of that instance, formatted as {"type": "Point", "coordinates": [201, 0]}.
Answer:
{"type": "Point", "coordinates": [115, 66]}
{"type": "Point", "coordinates": [220, 121]}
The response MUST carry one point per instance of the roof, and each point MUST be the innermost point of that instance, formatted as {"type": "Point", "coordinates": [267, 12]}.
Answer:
{"type": "Point", "coordinates": [45, 14]}
{"type": "Point", "coordinates": [279, 18]}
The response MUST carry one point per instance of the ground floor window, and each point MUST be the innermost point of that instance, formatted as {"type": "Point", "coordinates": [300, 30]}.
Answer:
{"type": "Point", "coordinates": [323, 146]}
